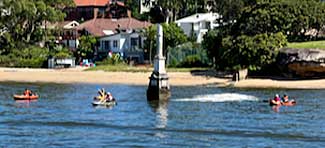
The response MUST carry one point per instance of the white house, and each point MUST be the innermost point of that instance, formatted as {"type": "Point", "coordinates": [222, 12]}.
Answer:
{"type": "Point", "coordinates": [117, 35]}
{"type": "Point", "coordinates": [128, 44]}
{"type": "Point", "coordinates": [198, 24]}
{"type": "Point", "coordinates": [68, 34]}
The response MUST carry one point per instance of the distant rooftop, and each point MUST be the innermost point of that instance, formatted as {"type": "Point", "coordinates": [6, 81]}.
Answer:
{"type": "Point", "coordinates": [99, 3]}
{"type": "Point", "coordinates": [91, 2]}
{"type": "Point", "coordinates": [104, 26]}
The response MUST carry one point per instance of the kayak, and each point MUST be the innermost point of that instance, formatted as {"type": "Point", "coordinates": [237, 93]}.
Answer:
{"type": "Point", "coordinates": [23, 97]}
{"type": "Point", "coordinates": [289, 103]}
{"type": "Point", "coordinates": [106, 104]}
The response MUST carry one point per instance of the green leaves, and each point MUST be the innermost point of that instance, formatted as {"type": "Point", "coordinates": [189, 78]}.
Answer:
{"type": "Point", "coordinates": [25, 21]}
{"type": "Point", "coordinates": [87, 44]}
{"type": "Point", "coordinates": [252, 52]}
{"type": "Point", "coordinates": [261, 28]}
{"type": "Point", "coordinates": [290, 17]}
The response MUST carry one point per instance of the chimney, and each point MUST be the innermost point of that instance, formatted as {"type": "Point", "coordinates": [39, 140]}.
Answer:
{"type": "Point", "coordinates": [95, 13]}
{"type": "Point", "coordinates": [129, 13]}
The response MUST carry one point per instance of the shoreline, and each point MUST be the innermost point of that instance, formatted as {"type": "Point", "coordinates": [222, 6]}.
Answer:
{"type": "Point", "coordinates": [79, 76]}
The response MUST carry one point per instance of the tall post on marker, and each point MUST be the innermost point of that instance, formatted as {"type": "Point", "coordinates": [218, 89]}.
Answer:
{"type": "Point", "coordinates": [159, 88]}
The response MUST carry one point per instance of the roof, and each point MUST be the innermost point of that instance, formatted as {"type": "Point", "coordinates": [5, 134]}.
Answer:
{"type": "Point", "coordinates": [198, 17]}
{"type": "Point", "coordinates": [63, 25]}
{"type": "Point", "coordinates": [91, 2]}
{"type": "Point", "coordinates": [81, 3]}
{"type": "Point", "coordinates": [97, 26]}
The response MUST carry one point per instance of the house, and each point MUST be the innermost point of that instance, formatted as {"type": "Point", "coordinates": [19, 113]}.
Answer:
{"type": "Point", "coordinates": [90, 9]}
{"type": "Point", "coordinates": [196, 25]}
{"type": "Point", "coordinates": [67, 33]}
{"type": "Point", "coordinates": [122, 36]}
{"type": "Point", "coordinates": [128, 44]}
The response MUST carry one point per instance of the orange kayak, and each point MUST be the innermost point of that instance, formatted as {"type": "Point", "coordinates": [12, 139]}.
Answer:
{"type": "Point", "coordinates": [23, 97]}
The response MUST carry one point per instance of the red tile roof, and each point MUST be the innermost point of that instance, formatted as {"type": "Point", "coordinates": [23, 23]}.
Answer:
{"type": "Point", "coordinates": [97, 26]}
{"type": "Point", "coordinates": [91, 2]}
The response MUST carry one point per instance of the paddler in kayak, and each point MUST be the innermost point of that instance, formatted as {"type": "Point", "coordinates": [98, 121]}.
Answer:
{"type": "Point", "coordinates": [102, 95]}
{"type": "Point", "coordinates": [276, 100]}
{"type": "Point", "coordinates": [285, 100]}
{"type": "Point", "coordinates": [27, 92]}
{"type": "Point", "coordinates": [110, 97]}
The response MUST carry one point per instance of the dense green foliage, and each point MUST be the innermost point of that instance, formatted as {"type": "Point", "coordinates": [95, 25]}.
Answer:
{"type": "Point", "coordinates": [259, 29]}
{"type": "Point", "coordinates": [115, 59]}
{"type": "Point", "coordinates": [86, 47]}
{"type": "Point", "coordinates": [291, 17]}
{"type": "Point", "coordinates": [23, 25]}
{"type": "Point", "coordinates": [251, 52]}
{"type": "Point", "coordinates": [60, 52]}
{"type": "Point", "coordinates": [32, 57]}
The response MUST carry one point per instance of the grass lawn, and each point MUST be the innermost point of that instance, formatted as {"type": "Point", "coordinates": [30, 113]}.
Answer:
{"type": "Point", "coordinates": [127, 68]}
{"type": "Point", "coordinates": [310, 44]}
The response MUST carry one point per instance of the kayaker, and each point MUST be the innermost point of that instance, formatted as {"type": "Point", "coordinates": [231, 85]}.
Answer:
{"type": "Point", "coordinates": [102, 95]}
{"type": "Point", "coordinates": [109, 97]}
{"type": "Point", "coordinates": [285, 98]}
{"type": "Point", "coordinates": [276, 100]}
{"type": "Point", "coordinates": [27, 92]}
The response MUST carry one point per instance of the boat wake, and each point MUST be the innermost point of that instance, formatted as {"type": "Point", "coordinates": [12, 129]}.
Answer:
{"type": "Point", "coordinates": [223, 97]}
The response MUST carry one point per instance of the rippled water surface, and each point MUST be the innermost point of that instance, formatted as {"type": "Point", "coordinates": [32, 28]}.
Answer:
{"type": "Point", "coordinates": [194, 117]}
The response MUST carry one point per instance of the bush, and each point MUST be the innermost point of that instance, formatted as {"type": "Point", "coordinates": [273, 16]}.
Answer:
{"type": "Point", "coordinates": [252, 52]}
{"type": "Point", "coordinates": [59, 51]}
{"type": "Point", "coordinates": [114, 60]}
{"type": "Point", "coordinates": [33, 57]}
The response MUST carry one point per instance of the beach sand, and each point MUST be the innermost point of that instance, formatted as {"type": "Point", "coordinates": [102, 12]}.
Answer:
{"type": "Point", "coordinates": [77, 75]}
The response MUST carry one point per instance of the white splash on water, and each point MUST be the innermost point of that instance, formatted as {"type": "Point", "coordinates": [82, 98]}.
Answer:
{"type": "Point", "coordinates": [223, 97]}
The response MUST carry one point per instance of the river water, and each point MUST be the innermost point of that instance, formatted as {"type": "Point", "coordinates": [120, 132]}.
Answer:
{"type": "Point", "coordinates": [194, 117]}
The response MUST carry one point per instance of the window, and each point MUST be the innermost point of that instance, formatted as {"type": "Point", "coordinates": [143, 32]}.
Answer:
{"type": "Point", "coordinates": [106, 45]}
{"type": "Point", "coordinates": [207, 25]}
{"type": "Point", "coordinates": [115, 44]}
{"type": "Point", "coordinates": [134, 42]}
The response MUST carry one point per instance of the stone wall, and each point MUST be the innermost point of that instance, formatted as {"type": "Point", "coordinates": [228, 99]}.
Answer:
{"type": "Point", "coordinates": [302, 63]}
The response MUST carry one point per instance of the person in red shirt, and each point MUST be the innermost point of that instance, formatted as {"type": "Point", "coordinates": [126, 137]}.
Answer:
{"type": "Point", "coordinates": [27, 92]}
{"type": "Point", "coordinates": [276, 100]}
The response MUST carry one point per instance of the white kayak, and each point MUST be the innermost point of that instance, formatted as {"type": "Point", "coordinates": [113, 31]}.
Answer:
{"type": "Point", "coordinates": [107, 104]}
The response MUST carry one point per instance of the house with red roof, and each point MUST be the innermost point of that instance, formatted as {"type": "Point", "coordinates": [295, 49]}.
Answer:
{"type": "Point", "coordinates": [89, 9]}
{"type": "Point", "coordinates": [123, 36]}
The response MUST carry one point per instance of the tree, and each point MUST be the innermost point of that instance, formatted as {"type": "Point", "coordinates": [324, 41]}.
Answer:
{"type": "Point", "coordinates": [252, 37]}
{"type": "Point", "coordinates": [86, 47]}
{"type": "Point", "coordinates": [25, 19]}
{"type": "Point", "coordinates": [252, 52]}
{"type": "Point", "coordinates": [293, 18]}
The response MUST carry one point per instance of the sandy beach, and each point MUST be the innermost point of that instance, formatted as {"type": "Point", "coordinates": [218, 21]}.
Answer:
{"type": "Point", "coordinates": [77, 75]}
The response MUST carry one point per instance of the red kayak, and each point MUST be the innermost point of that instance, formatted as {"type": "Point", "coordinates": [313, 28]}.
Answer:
{"type": "Point", "coordinates": [23, 97]}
